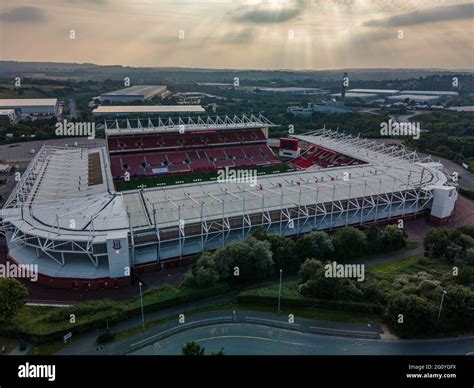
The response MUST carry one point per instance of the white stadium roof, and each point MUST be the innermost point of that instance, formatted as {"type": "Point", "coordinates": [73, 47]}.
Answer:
{"type": "Point", "coordinates": [55, 189]}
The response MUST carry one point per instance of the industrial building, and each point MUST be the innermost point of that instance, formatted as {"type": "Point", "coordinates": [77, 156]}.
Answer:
{"type": "Point", "coordinates": [126, 110]}
{"type": "Point", "coordinates": [31, 106]}
{"type": "Point", "coordinates": [7, 114]}
{"type": "Point", "coordinates": [415, 98]}
{"type": "Point", "coordinates": [465, 109]}
{"type": "Point", "coordinates": [437, 93]}
{"type": "Point", "coordinates": [290, 90]}
{"type": "Point", "coordinates": [355, 96]}
{"type": "Point", "coordinates": [66, 216]}
{"type": "Point", "coordinates": [135, 93]}
{"type": "Point", "coordinates": [379, 92]}
{"type": "Point", "coordinates": [320, 108]}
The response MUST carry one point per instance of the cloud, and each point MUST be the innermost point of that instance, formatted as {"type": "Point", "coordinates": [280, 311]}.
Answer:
{"type": "Point", "coordinates": [23, 15]}
{"type": "Point", "coordinates": [265, 13]}
{"type": "Point", "coordinates": [244, 36]}
{"type": "Point", "coordinates": [432, 15]}
{"type": "Point", "coordinates": [95, 2]}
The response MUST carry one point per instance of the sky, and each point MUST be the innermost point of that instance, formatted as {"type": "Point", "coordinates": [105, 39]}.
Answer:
{"type": "Point", "coordinates": [241, 34]}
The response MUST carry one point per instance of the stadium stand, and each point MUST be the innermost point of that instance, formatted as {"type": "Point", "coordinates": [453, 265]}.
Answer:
{"type": "Point", "coordinates": [317, 156]}
{"type": "Point", "coordinates": [204, 151]}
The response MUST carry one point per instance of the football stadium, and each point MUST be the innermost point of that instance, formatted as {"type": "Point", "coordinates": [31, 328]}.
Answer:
{"type": "Point", "coordinates": [151, 199]}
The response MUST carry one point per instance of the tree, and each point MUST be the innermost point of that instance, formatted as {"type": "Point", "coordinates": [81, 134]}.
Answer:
{"type": "Point", "coordinates": [349, 243]}
{"type": "Point", "coordinates": [204, 273]}
{"type": "Point", "coordinates": [218, 353]}
{"type": "Point", "coordinates": [315, 244]}
{"type": "Point", "coordinates": [252, 257]}
{"type": "Point", "coordinates": [282, 249]}
{"type": "Point", "coordinates": [308, 268]}
{"type": "Point", "coordinates": [372, 235]}
{"type": "Point", "coordinates": [457, 308]}
{"type": "Point", "coordinates": [392, 238]}
{"type": "Point", "coordinates": [410, 315]}
{"type": "Point", "coordinates": [451, 245]}
{"type": "Point", "coordinates": [192, 349]}
{"type": "Point", "coordinates": [260, 256]}
{"type": "Point", "coordinates": [436, 241]}
{"type": "Point", "coordinates": [13, 296]}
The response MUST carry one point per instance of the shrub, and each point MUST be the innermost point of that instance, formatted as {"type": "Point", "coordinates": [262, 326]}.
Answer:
{"type": "Point", "coordinates": [105, 337]}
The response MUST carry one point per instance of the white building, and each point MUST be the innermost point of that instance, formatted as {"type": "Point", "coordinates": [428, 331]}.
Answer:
{"type": "Point", "coordinates": [416, 98]}
{"type": "Point", "coordinates": [379, 92]}
{"type": "Point", "coordinates": [7, 114]}
{"type": "Point", "coordinates": [119, 110]}
{"type": "Point", "coordinates": [356, 96]}
{"type": "Point", "coordinates": [135, 93]}
{"type": "Point", "coordinates": [31, 106]}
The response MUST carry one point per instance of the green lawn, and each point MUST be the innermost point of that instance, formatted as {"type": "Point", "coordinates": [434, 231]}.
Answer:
{"type": "Point", "coordinates": [41, 321]}
{"type": "Point", "coordinates": [396, 266]}
{"type": "Point", "coordinates": [183, 179]}
{"type": "Point", "coordinates": [409, 247]}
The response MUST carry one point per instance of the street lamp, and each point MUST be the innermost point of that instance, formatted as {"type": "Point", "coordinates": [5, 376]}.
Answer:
{"type": "Point", "coordinates": [441, 304]}
{"type": "Point", "coordinates": [141, 303]}
{"type": "Point", "coordinates": [279, 292]}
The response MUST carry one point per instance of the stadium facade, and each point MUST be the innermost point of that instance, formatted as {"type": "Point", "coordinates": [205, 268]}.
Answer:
{"type": "Point", "coordinates": [66, 216]}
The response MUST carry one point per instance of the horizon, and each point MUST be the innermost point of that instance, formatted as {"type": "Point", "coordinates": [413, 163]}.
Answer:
{"type": "Point", "coordinates": [248, 69]}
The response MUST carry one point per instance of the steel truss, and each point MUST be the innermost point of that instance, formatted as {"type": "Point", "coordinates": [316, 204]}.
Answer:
{"type": "Point", "coordinates": [149, 125]}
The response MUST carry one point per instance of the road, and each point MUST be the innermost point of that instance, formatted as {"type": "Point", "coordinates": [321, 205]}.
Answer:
{"type": "Point", "coordinates": [72, 108]}
{"type": "Point", "coordinates": [250, 339]}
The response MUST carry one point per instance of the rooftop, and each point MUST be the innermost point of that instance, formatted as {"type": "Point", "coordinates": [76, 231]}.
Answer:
{"type": "Point", "coordinates": [137, 90]}
{"type": "Point", "coordinates": [171, 125]}
{"type": "Point", "coordinates": [149, 109]}
{"type": "Point", "coordinates": [19, 102]}
{"type": "Point", "coordinates": [62, 190]}
{"type": "Point", "coordinates": [377, 91]}
{"type": "Point", "coordinates": [413, 97]}
{"type": "Point", "coordinates": [430, 92]}
{"type": "Point", "coordinates": [289, 89]}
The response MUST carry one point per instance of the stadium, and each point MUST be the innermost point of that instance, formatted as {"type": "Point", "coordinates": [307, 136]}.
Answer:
{"type": "Point", "coordinates": [94, 217]}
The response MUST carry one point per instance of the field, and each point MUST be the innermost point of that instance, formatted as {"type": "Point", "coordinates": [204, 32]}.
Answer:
{"type": "Point", "coordinates": [27, 90]}
{"type": "Point", "coordinates": [182, 179]}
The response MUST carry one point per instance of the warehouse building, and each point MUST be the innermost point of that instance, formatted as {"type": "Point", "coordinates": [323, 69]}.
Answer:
{"type": "Point", "coordinates": [437, 93]}
{"type": "Point", "coordinates": [124, 110]}
{"type": "Point", "coordinates": [415, 98]}
{"type": "Point", "coordinates": [356, 96]}
{"type": "Point", "coordinates": [31, 106]}
{"type": "Point", "coordinates": [379, 92]}
{"type": "Point", "coordinates": [135, 93]}
{"type": "Point", "coordinates": [7, 114]}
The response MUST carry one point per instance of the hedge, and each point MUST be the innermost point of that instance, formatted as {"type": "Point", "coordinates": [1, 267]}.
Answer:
{"type": "Point", "coordinates": [43, 324]}
{"type": "Point", "coordinates": [339, 305]}
{"type": "Point", "coordinates": [466, 192]}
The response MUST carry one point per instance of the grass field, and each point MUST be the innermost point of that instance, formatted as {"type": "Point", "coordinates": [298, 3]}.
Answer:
{"type": "Point", "coordinates": [183, 179]}
{"type": "Point", "coordinates": [26, 90]}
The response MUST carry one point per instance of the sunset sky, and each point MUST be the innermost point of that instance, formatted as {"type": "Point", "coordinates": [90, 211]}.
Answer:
{"type": "Point", "coordinates": [256, 34]}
